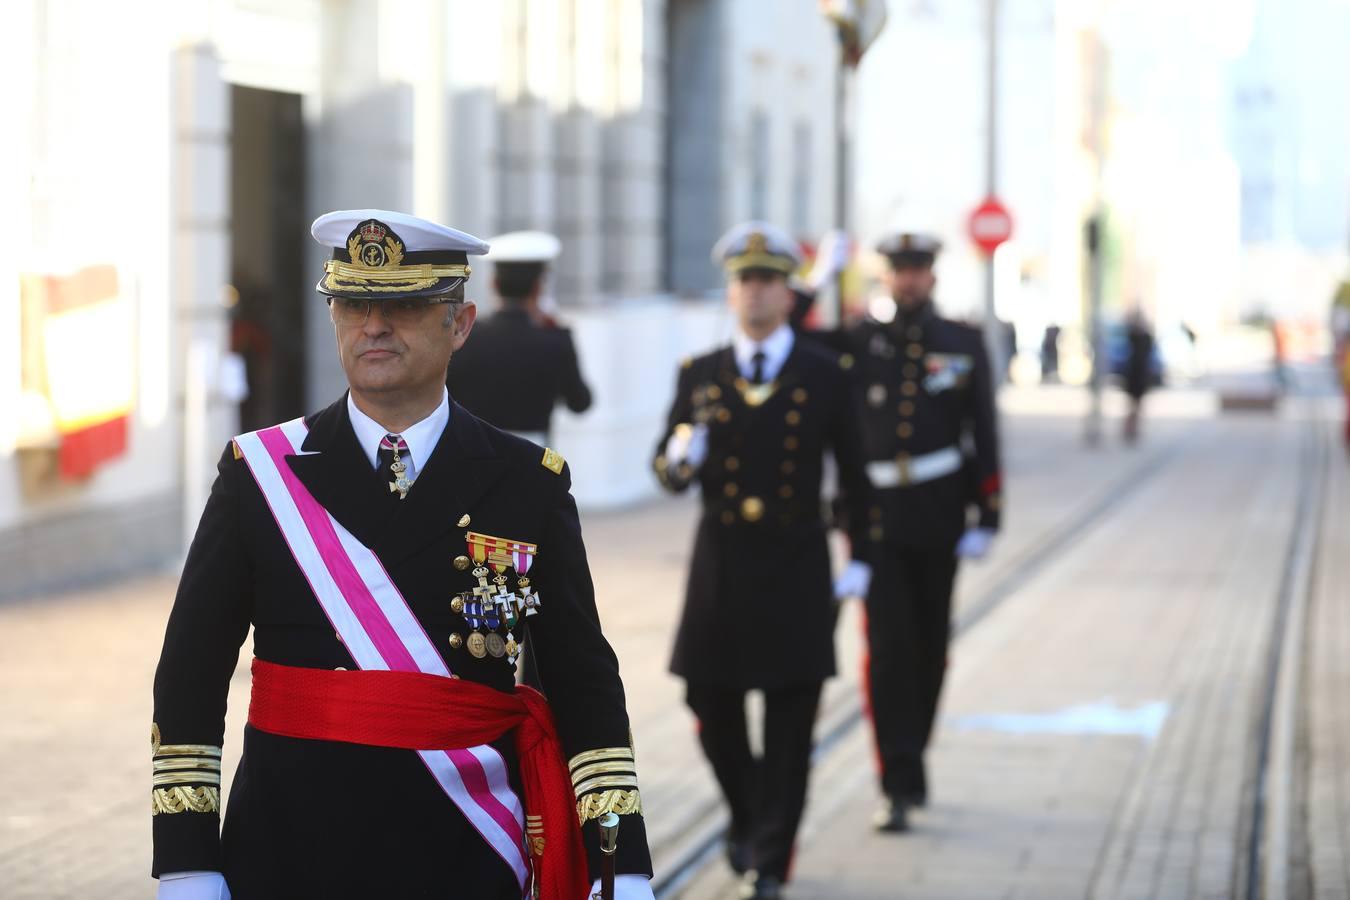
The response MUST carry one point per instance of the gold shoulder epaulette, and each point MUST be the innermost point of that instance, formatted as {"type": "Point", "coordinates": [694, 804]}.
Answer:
{"type": "Point", "coordinates": [553, 461]}
{"type": "Point", "coordinates": [686, 362]}
{"type": "Point", "coordinates": [238, 454]}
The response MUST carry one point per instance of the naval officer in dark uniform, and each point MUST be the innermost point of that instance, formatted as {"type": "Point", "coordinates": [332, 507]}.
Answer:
{"type": "Point", "coordinates": [750, 425]}
{"type": "Point", "coordinates": [520, 363]}
{"type": "Point", "coordinates": [378, 549]}
{"type": "Point", "coordinates": [932, 444]}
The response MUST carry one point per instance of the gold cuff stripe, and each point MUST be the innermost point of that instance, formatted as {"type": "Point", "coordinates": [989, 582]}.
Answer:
{"type": "Point", "coordinates": [593, 756]}
{"type": "Point", "coordinates": [166, 778]}
{"type": "Point", "coordinates": [602, 768]}
{"type": "Point", "coordinates": [180, 762]}
{"type": "Point", "coordinates": [621, 803]}
{"type": "Point", "coordinates": [606, 781]}
{"type": "Point", "coordinates": [186, 750]}
{"type": "Point", "coordinates": [181, 799]}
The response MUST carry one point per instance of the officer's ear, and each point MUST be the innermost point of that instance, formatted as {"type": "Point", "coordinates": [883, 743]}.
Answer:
{"type": "Point", "coordinates": [460, 320]}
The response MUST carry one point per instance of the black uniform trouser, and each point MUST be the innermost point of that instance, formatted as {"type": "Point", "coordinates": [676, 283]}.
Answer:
{"type": "Point", "coordinates": [766, 795]}
{"type": "Point", "coordinates": [908, 626]}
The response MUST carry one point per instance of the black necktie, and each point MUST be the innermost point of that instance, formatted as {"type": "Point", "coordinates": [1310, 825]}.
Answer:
{"type": "Point", "coordinates": [392, 467]}
{"type": "Point", "coordinates": [757, 374]}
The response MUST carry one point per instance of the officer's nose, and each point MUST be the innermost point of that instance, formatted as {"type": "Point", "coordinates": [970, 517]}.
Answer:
{"type": "Point", "coordinates": [376, 322]}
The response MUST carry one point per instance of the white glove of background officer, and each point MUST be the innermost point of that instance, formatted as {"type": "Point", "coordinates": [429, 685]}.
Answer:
{"type": "Point", "coordinates": [974, 544]}
{"type": "Point", "coordinates": [831, 257]}
{"type": "Point", "coordinates": [853, 581]}
{"type": "Point", "coordinates": [688, 445]}
{"type": "Point", "coordinates": [193, 886]}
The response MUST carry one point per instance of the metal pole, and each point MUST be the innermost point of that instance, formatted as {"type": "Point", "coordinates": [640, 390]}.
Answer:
{"type": "Point", "coordinates": [1093, 238]}
{"type": "Point", "coordinates": [840, 180]}
{"type": "Point", "coordinates": [1096, 237]}
{"type": "Point", "coordinates": [993, 330]}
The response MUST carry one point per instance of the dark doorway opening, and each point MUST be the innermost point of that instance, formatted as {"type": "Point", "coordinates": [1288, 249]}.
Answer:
{"type": "Point", "coordinates": [268, 242]}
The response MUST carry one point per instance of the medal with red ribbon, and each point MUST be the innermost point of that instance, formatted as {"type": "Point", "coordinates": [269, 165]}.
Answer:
{"type": "Point", "coordinates": [497, 555]}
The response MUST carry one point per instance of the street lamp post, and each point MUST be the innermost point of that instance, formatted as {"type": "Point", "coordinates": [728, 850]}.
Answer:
{"type": "Point", "coordinates": [993, 332]}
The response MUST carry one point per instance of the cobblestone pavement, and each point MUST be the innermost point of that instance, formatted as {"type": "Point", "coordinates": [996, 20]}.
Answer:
{"type": "Point", "coordinates": [1162, 602]}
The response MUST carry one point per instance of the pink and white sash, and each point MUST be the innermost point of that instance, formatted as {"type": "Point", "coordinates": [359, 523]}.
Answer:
{"type": "Point", "coordinates": [380, 631]}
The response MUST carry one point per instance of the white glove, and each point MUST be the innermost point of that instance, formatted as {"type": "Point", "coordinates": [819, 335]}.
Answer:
{"type": "Point", "coordinates": [853, 581]}
{"type": "Point", "coordinates": [626, 887]}
{"type": "Point", "coordinates": [688, 445]}
{"type": "Point", "coordinates": [193, 886]}
{"type": "Point", "coordinates": [831, 257]}
{"type": "Point", "coordinates": [974, 544]}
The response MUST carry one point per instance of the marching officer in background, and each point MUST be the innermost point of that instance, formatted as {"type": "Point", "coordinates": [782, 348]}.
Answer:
{"type": "Point", "coordinates": [750, 424]}
{"type": "Point", "coordinates": [520, 364]}
{"type": "Point", "coordinates": [932, 444]}
{"type": "Point", "coordinates": [392, 553]}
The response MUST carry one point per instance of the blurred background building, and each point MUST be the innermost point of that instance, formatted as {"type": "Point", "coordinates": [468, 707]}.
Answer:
{"type": "Point", "coordinates": [165, 159]}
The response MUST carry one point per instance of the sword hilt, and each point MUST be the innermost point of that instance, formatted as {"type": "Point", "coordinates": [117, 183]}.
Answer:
{"type": "Point", "coordinates": [609, 842]}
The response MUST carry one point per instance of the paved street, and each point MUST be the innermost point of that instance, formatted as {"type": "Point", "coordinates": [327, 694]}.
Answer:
{"type": "Point", "coordinates": [1097, 733]}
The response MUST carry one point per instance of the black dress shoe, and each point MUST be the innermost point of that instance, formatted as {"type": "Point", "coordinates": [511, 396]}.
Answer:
{"type": "Point", "coordinates": [891, 817]}
{"type": "Point", "coordinates": [761, 887]}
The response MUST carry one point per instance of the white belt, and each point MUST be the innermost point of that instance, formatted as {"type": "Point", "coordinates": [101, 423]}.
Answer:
{"type": "Point", "coordinates": [538, 437]}
{"type": "Point", "coordinates": [906, 470]}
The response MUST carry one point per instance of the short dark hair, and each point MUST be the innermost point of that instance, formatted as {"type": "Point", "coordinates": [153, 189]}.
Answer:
{"type": "Point", "coordinates": [515, 281]}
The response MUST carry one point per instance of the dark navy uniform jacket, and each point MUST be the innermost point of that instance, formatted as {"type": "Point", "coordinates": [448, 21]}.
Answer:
{"type": "Point", "coordinates": [925, 385]}
{"type": "Point", "coordinates": [759, 607]}
{"type": "Point", "coordinates": [325, 819]}
{"type": "Point", "coordinates": [515, 371]}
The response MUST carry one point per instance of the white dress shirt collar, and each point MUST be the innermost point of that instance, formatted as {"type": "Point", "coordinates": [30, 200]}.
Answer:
{"type": "Point", "coordinates": [421, 438]}
{"type": "Point", "coordinates": [775, 348]}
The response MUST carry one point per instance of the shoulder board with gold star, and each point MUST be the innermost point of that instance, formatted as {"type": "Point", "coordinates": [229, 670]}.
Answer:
{"type": "Point", "coordinates": [234, 446]}
{"type": "Point", "coordinates": [553, 461]}
{"type": "Point", "coordinates": [686, 362]}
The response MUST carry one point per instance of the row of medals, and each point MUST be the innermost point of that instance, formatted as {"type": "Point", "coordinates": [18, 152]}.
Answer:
{"type": "Point", "coordinates": [497, 603]}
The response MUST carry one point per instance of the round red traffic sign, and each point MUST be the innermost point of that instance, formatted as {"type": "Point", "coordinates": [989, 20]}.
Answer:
{"type": "Point", "coordinates": [990, 224]}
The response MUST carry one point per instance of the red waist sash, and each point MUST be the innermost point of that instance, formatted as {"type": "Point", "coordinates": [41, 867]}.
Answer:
{"type": "Point", "coordinates": [415, 711]}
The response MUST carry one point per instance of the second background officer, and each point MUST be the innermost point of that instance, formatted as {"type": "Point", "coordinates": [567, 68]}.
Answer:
{"type": "Point", "coordinates": [932, 441]}
{"type": "Point", "coordinates": [751, 423]}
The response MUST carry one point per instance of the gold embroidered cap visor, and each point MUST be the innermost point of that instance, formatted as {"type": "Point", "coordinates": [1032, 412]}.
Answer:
{"type": "Point", "coordinates": [756, 245]}
{"type": "Point", "coordinates": [734, 265]}
{"type": "Point", "coordinates": [379, 255]}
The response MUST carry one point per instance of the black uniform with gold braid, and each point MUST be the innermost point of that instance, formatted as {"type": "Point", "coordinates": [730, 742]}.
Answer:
{"type": "Point", "coordinates": [932, 444]}
{"type": "Point", "coordinates": [308, 818]}
{"type": "Point", "coordinates": [320, 818]}
{"type": "Point", "coordinates": [759, 608]}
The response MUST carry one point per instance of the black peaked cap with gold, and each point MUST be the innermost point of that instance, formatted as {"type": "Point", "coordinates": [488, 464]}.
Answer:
{"type": "Point", "coordinates": [379, 254]}
{"type": "Point", "coordinates": [756, 245]}
{"type": "Point", "coordinates": [912, 248]}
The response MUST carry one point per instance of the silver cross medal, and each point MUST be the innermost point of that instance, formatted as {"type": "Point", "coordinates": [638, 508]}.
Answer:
{"type": "Point", "coordinates": [400, 482]}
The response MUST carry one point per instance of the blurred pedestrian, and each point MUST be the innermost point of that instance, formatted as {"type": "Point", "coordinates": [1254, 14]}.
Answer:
{"type": "Point", "coordinates": [1050, 355]}
{"type": "Point", "coordinates": [520, 364]}
{"type": "Point", "coordinates": [1140, 370]}
{"type": "Point", "coordinates": [750, 425]}
{"type": "Point", "coordinates": [1340, 334]}
{"type": "Point", "coordinates": [932, 437]}
{"type": "Point", "coordinates": [342, 539]}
